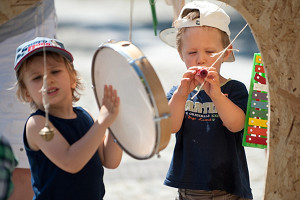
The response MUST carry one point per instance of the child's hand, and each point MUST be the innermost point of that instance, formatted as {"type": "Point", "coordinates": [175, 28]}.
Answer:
{"type": "Point", "coordinates": [212, 83]}
{"type": "Point", "coordinates": [201, 74]}
{"type": "Point", "coordinates": [110, 106]}
{"type": "Point", "coordinates": [188, 81]}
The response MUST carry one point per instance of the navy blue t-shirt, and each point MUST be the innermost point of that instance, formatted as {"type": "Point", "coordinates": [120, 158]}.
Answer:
{"type": "Point", "coordinates": [207, 156]}
{"type": "Point", "coordinates": [51, 182]}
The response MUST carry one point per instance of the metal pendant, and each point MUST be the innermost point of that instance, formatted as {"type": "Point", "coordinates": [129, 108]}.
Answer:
{"type": "Point", "coordinates": [47, 133]}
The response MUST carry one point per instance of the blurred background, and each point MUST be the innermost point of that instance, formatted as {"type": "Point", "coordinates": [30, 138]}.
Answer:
{"type": "Point", "coordinates": [85, 24]}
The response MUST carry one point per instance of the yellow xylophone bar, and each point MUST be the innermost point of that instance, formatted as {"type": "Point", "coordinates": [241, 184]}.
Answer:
{"type": "Point", "coordinates": [258, 122]}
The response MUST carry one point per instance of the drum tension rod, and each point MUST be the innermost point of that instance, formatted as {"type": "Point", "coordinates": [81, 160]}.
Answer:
{"type": "Point", "coordinates": [158, 155]}
{"type": "Point", "coordinates": [137, 59]}
{"type": "Point", "coordinates": [164, 116]}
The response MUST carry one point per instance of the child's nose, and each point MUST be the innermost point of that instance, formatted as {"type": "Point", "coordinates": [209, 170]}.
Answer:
{"type": "Point", "coordinates": [49, 78]}
{"type": "Point", "coordinates": [200, 59]}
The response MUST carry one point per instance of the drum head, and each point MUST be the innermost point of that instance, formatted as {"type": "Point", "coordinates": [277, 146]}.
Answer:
{"type": "Point", "coordinates": [134, 128]}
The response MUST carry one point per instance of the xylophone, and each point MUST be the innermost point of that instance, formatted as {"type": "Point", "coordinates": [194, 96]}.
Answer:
{"type": "Point", "coordinates": [256, 123]}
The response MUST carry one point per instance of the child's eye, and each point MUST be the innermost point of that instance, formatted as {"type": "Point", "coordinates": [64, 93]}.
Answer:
{"type": "Point", "coordinates": [37, 77]}
{"type": "Point", "coordinates": [55, 71]}
{"type": "Point", "coordinates": [192, 52]}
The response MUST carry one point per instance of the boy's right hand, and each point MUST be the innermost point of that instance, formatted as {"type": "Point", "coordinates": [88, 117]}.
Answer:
{"type": "Point", "coordinates": [188, 82]}
{"type": "Point", "coordinates": [110, 106]}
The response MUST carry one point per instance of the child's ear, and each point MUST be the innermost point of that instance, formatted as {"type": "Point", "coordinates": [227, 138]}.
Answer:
{"type": "Point", "coordinates": [227, 53]}
{"type": "Point", "coordinates": [180, 54]}
{"type": "Point", "coordinates": [73, 80]}
{"type": "Point", "coordinates": [73, 83]}
{"type": "Point", "coordinates": [27, 96]}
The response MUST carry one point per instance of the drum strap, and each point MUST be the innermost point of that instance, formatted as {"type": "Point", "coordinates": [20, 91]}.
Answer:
{"type": "Point", "coordinates": [130, 23]}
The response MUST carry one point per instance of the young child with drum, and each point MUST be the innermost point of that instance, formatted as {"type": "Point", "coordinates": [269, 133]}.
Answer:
{"type": "Point", "coordinates": [70, 165]}
{"type": "Point", "coordinates": [209, 161]}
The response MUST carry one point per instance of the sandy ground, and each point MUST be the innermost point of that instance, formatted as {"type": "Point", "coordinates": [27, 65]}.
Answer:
{"type": "Point", "coordinates": [84, 24]}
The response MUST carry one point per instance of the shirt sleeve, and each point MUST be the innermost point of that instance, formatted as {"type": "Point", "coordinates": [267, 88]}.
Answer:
{"type": "Point", "coordinates": [171, 92]}
{"type": "Point", "coordinates": [238, 94]}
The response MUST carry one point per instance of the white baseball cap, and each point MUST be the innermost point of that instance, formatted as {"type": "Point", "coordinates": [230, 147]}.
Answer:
{"type": "Point", "coordinates": [210, 15]}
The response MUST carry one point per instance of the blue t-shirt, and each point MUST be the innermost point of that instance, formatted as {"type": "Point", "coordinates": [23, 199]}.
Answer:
{"type": "Point", "coordinates": [207, 156]}
{"type": "Point", "coordinates": [51, 182]}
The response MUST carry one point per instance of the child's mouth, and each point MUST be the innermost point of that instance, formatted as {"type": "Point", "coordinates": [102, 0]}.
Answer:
{"type": "Point", "coordinates": [52, 91]}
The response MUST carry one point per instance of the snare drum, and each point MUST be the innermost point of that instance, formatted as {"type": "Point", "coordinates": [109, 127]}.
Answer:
{"type": "Point", "coordinates": [143, 126]}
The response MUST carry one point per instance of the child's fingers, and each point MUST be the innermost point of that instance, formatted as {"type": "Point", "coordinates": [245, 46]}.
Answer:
{"type": "Point", "coordinates": [107, 92]}
{"type": "Point", "coordinates": [115, 98]}
{"type": "Point", "coordinates": [212, 76]}
{"type": "Point", "coordinates": [189, 73]}
{"type": "Point", "coordinates": [199, 78]}
{"type": "Point", "coordinates": [194, 68]}
{"type": "Point", "coordinates": [107, 96]}
{"type": "Point", "coordinates": [111, 99]}
{"type": "Point", "coordinates": [113, 95]}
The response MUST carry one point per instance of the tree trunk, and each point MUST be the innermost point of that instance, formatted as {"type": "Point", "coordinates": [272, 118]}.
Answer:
{"type": "Point", "coordinates": [275, 25]}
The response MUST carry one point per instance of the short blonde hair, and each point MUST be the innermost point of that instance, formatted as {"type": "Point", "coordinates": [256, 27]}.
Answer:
{"type": "Point", "coordinates": [21, 88]}
{"type": "Point", "coordinates": [192, 14]}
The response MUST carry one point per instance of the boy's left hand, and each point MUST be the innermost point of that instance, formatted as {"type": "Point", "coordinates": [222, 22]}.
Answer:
{"type": "Point", "coordinates": [212, 82]}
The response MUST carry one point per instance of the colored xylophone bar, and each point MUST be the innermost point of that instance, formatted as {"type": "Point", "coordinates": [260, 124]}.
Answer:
{"type": "Point", "coordinates": [255, 132]}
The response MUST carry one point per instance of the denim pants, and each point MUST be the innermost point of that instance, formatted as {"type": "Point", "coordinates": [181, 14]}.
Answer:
{"type": "Point", "coordinates": [186, 194]}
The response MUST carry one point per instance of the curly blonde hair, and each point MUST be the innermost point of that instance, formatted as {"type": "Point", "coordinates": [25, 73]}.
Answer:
{"type": "Point", "coordinates": [21, 88]}
{"type": "Point", "coordinates": [192, 14]}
